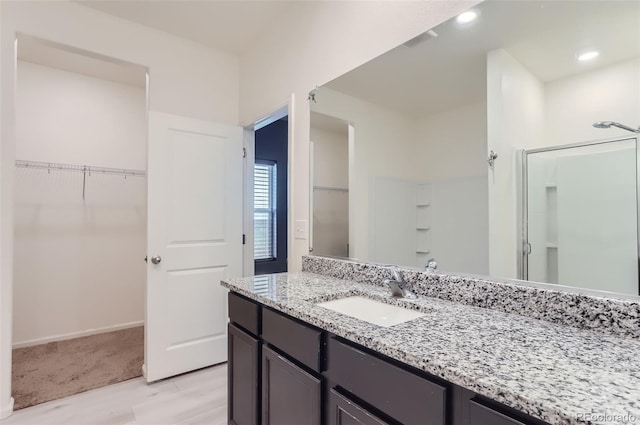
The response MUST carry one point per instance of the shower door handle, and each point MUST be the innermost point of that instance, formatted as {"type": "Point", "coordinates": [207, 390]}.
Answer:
{"type": "Point", "coordinates": [156, 259]}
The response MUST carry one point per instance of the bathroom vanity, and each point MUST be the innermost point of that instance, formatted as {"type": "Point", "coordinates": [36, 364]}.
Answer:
{"type": "Point", "coordinates": [293, 361]}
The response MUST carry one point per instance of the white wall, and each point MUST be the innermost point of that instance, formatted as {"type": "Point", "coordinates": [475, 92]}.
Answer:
{"type": "Point", "coordinates": [453, 144]}
{"type": "Point", "coordinates": [451, 148]}
{"type": "Point", "coordinates": [77, 264]}
{"type": "Point", "coordinates": [295, 58]}
{"type": "Point", "coordinates": [515, 120]}
{"type": "Point", "coordinates": [574, 103]}
{"type": "Point", "coordinates": [185, 78]}
{"type": "Point", "coordinates": [330, 207]}
{"type": "Point", "coordinates": [331, 157]}
{"type": "Point", "coordinates": [383, 147]}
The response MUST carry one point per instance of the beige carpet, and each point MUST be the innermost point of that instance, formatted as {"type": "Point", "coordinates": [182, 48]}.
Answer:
{"type": "Point", "coordinates": [58, 369]}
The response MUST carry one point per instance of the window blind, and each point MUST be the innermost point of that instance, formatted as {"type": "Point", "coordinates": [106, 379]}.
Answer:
{"type": "Point", "coordinates": [264, 211]}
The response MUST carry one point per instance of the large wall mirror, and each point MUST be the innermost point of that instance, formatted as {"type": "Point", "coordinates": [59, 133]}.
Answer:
{"type": "Point", "coordinates": [502, 142]}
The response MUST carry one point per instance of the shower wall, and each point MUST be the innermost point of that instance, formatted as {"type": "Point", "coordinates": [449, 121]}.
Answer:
{"type": "Point", "coordinates": [582, 217]}
{"type": "Point", "coordinates": [396, 154]}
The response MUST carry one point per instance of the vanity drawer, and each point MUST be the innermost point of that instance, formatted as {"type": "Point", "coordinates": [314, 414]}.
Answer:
{"type": "Point", "coordinates": [301, 342]}
{"type": "Point", "coordinates": [244, 313]}
{"type": "Point", "coordinates": [402, 395]}
{"type": "Point", "coordinates": [480, 414]}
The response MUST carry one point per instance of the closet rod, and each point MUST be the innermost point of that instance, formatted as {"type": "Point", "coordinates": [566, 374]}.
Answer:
{"type": "Point", "coordinates": [332, 189]}
{"type": "Point", "coordinates": [80, 168]}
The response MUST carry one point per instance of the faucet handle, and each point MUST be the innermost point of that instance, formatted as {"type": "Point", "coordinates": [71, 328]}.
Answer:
{"type": "Point", "coordinates": [395, 274]}
{"type": "Point", "coordinates": [432, 264]}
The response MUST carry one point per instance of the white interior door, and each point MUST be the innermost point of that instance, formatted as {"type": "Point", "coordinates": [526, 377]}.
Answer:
{"type": "Point", "coordinates": [195, 231]}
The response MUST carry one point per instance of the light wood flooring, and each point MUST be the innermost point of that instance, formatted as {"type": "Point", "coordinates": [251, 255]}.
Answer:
{"type": "Point", "coordinates": [194, 398]}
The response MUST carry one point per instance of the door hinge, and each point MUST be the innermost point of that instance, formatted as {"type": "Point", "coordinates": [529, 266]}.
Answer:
{"type": "Point", "coordinates": [244, 152]}
{"type": "Point", "coordinates": [244, 239]}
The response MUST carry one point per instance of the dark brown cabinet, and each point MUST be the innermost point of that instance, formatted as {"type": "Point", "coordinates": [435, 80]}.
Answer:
{"type": "Point", "coordinates": [400, 394]}
{"type": "Point", "coordinates": [480, 414]}
{"type": "Point", "coordinates": [283, 371]}
{"type": "Point", "coordinates": [243, 375]}
{"type": "Point", "coordinates": [290, 395]}
{"type": "Point", "coordinates": [298, 340]}
{"type": "Point", "coordinates": [343, 411]}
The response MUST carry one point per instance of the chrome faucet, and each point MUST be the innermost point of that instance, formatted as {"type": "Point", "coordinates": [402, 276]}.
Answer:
{"type": "Point", "coordinates": [398, 285]}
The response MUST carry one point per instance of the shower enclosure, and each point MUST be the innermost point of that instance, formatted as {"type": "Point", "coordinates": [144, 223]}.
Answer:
{"type": "Point", "coordinates": [580, 215]}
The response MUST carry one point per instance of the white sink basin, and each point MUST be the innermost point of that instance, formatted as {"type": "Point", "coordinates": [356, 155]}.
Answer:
{"type": "Point", "coordinates": [376, 312]}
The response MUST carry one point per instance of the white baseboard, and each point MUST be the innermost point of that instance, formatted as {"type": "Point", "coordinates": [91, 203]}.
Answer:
{"type": "Point", "coordinates": [7, 411]}
{"type": "Point", "coordinates": [88, 332]}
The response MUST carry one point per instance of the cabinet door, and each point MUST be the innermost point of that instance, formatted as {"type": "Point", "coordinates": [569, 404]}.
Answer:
{"type": "Point", "coordinates": [343, 411]}
{"type": "Point", "coordinates": [243, 385]}
{"type": "Point", "coordinates": [483, 415]}
{"type": "Point", "coordinates": [290, 395]}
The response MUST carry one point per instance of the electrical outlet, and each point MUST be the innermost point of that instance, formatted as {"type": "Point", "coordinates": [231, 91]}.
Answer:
{"type": "Point", "coordinates": [302, 229]}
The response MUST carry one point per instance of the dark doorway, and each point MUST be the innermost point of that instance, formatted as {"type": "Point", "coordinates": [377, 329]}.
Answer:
{"type": "Point", "coordinates": [270, 213]}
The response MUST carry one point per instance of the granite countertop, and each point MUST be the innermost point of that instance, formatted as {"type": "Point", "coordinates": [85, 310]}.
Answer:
{"type": "Point", "coordinates": [557, 373]}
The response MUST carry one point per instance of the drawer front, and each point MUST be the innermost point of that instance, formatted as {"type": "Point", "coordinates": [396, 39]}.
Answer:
{"type": "Point", "coordinates": [483, 415]}
{"type": "Point", "coordinates": [244, 313]}
{"type": "Point", "coordinates": [299, 341]}
{"type": "Point", "coordinates": [398, 393]}
{"type": "Point", "coordinates": [343, 411]}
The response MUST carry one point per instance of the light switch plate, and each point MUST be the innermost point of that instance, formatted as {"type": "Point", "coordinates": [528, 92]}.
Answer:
{"type": "Point", "coordinates": [302, 229]}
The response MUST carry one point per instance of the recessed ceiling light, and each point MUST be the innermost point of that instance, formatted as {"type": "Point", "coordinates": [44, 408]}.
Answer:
{"type": "Point", "coordinates": [466, 17]}
{"type": "Point", "coordinates": [587, 56]}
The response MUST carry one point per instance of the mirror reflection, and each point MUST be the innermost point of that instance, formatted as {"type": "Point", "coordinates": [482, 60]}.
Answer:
{"type": "Point", "coordinates": [482, 147]}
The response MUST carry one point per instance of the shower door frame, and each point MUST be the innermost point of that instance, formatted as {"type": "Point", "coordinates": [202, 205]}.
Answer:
{"type": "Point", "coordinates": [524, 249]}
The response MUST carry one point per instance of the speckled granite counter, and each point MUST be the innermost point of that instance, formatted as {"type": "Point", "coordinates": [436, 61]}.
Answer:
{"type": "Point", "coordinates": [558, 373]}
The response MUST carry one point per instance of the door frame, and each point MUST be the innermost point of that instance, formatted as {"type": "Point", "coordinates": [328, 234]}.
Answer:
{"type": "Point", "coordinates": [7, 198]}
{"type": "Point", "coordinates": [286, 110]}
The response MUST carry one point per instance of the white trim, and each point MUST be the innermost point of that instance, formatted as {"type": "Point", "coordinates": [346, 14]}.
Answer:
{"type": "Point", "coordinates": [311, 174]}
{"type": "Point", "coordinates": [5, 412]}
{"type": "Point", "coordinates": [248, 141]}
{"type": "Point", "coordinates": [249, 144]}
{"type": "Point", "coordinates": [88, 332]}
{"type": "Point", "coordinates": [291, 243]}
{"type": "Point", "coordinates": [271, 118]}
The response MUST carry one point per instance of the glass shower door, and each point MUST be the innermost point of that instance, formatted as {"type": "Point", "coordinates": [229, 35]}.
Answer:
{"type": "Point", "coordinates": [581, 216]}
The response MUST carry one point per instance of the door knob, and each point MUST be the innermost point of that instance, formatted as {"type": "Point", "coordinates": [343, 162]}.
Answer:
{"type": "Point", "coordinates": [156, 259]}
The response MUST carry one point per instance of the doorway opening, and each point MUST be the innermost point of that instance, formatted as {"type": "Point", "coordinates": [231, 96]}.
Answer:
{"type": "Point", "coordinates": [271, 197]}
{"type": "Point", "coordinates": [80, 214]}
{"type": "Point", "coordinates": [330, 147]}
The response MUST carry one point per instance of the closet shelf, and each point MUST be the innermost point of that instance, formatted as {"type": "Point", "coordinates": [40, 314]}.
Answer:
{"type": "Point", "coordinates": [330, 189]}
{"type": "Point", "coordinates": [84, 169]}
{"type": "Point", "coordinates": [88, 169]}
